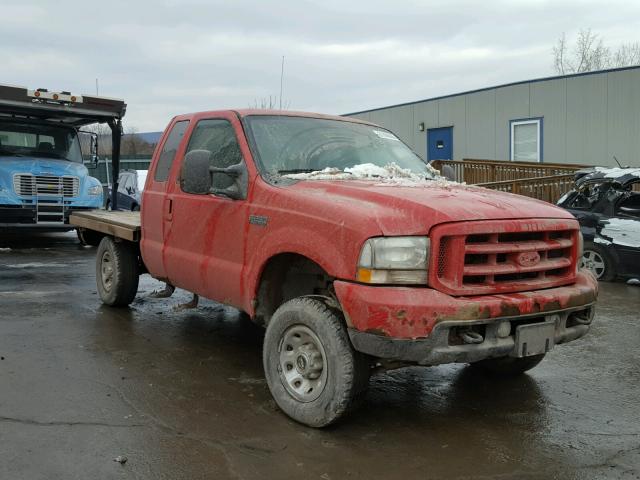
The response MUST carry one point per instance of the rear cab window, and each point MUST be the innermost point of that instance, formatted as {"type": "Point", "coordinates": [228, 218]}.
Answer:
{"type": "Point", "coordinates": [169, 150]}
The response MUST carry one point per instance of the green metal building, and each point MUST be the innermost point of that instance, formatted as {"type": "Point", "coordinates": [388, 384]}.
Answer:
{"type": "Point", "coordinates": [584, 118]}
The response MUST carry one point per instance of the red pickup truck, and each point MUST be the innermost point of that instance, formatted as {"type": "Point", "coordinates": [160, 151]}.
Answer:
{"type": "Point", "coordinates": [349, 249]}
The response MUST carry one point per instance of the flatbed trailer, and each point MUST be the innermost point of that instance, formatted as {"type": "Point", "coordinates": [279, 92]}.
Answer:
{"type": "Point", "coordinates": [119, 263]}
{"type": "Point", "coordinates": [122, 225]}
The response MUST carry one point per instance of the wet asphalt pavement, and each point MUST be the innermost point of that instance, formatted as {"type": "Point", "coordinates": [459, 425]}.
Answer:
{"type": "Point", "coordinates": [181, 394]}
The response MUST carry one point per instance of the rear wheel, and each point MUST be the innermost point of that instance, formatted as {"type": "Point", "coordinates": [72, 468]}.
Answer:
{"type": "Point", "coordinates": [508, 366]}
{"type": "Point", "coordinates": [599, 262]}
{"type": "Point", "coordinates": [313, 372]}
{"type": "Point", "coordinates": [117, 272]}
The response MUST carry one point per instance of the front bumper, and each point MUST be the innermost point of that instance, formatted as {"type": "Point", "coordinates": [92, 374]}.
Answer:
{"type": "Point", "coordinates": [26, 216]}
{"type": "Point", "coordinates": [423, 325]}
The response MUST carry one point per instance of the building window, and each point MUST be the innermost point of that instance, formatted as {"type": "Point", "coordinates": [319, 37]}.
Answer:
{"type": "Point", "coordinates": [526, 140]}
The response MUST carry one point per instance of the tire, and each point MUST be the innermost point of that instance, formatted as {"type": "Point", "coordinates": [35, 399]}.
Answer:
{"type": "Point", "coordinates": [135, 208]}
{"type": "Point", "coordinates": [321, 358]}
{"type": "Point", "coordinates": [597, 260]}
{"type": "Point", "coordinates": [89, 237]}
{"type": "Point", "coordinates": [508, 366]}
{"type": "Point", "coordinates": [117, 272]}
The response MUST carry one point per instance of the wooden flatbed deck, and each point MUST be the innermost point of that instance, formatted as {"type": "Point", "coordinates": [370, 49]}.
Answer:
{"type": "Point", "coordinates": [125, 225]}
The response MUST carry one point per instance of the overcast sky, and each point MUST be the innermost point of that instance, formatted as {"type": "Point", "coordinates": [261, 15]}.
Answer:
{"type": "Point", "coordinates": [166, 57]}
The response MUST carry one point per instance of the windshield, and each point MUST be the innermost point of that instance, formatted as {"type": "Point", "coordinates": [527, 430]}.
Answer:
{"type": "Point", "coordinates": [34, 140]}
{"type": "Point", "coordinates": [297, 145]}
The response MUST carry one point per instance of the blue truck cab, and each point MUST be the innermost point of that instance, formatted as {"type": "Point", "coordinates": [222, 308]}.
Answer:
{"type": "Point", "coordinates": [43, 176]}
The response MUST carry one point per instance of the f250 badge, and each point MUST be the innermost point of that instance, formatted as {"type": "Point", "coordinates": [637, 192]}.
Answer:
{"type": "Point", "coordinates": [258, 220]}
{"type": "Point", "coordinates": [528, 259]}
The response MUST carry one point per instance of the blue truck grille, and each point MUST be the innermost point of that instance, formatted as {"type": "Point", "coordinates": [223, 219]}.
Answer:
{"type": "Point", "coordinates": [27, 185]}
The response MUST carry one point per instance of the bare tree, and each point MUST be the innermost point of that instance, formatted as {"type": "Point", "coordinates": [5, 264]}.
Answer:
{"type": "Point", "coordinates": [627, 54]}
{"type": "Point", "coordinates": [270, 103]}
{"type": "Point", "coordinates": [589, 53]}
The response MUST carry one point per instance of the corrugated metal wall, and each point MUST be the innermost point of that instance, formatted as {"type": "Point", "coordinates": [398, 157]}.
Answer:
{"type": "Point", "coordinates": [586, 119]}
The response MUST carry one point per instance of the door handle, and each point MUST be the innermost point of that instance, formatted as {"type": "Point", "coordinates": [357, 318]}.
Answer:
{"type": "Point", "coordinates": [168, 210]}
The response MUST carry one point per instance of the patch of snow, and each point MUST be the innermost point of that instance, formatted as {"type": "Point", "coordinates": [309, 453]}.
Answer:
{"type": "Point", "coordinates": [141, 176]}
{"type": "Point", "coordinates": [622, 232]}
{"type": "Point", "coordinates": [389, 175]}
{"type": "Point", "coordinates": [563, 198]}
{"type": "Point", "coordinates": [5, 250]}
{"type": "Point", "coordinates": [618, 172]}
{"type": "Point", "coordinates": [601, 241]}
{"type": "Point", "coordinates": [37, 265]}
{"type": "Point", "coordinates": [633, 281]}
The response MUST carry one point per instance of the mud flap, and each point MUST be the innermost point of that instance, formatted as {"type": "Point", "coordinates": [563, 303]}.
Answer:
{"type": "Point", "coordinates": [534, 339]}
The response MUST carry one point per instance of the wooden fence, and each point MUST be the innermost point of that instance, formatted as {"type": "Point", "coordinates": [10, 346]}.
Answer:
{"type": "Point", "coordinates": [474, 171]}
{"type": "Point", "coordinates": [549, 188]}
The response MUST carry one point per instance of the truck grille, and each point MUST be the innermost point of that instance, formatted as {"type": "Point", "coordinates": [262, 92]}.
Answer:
{"type": "Point", "coordinates": [27, 185]}
{"type": "Point", "coordinates": [480, 258]}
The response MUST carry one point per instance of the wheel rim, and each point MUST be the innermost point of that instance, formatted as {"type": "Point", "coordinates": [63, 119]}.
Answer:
{"type": "Point", "coordinates": [106, 270]}
{"type": "Point", "coordinates": [303, 363]}
{"type": "Point", "coordinates": [594, 262]}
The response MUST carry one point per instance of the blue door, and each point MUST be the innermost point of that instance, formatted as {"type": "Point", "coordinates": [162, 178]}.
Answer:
{"type": "Point", "coordinates": [440, 143]}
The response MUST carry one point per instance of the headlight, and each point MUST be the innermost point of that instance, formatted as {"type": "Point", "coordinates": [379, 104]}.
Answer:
{"type": "Point", "coordinates": [394, 260]}
{"type": "Point", "coordinates": [95, 190]}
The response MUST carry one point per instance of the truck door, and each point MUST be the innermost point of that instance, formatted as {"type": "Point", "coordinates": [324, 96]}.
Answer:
{"type": "Point", "coordinates": [156, 212]}
{"type": "Point", "coordinates": [205, 238]}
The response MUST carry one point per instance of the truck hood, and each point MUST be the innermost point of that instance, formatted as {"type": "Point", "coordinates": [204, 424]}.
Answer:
{"type": "Point", "coordinates": [411, 210]}
{"type": "Point", "coordinates": [41, 166]}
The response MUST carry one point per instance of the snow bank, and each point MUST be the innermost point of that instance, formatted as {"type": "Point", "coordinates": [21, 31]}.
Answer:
{"type": "Point", "coordinates": [391, 174]}
{"type": "Point", "coordinates": [5, 250]}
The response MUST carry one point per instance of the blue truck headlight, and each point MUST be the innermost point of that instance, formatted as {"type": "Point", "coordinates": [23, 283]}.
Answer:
{"type": "Point", "coordinates": [95, 190]}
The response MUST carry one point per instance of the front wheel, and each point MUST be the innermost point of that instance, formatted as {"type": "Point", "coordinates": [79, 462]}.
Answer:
{"type": "Point", "coordinates": [313, 372]}
{"type": "Point", "coordinates": [117, 272]}
{"type": "Point", "coordinates": [599, 262]}
{"type": "Point", "coordinates": [508, 366]}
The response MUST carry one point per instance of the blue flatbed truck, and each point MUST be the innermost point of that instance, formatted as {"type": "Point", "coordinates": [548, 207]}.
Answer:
{"type": "Point", "coordinates": [43, 176]}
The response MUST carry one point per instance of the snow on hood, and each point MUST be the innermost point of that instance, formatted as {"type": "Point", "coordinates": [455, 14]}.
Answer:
{"type": "Point", "coordinates": [391, 174]}
{"type": "Point", "coordinates": [403, 209]}
{"type": "Point", "coordinates": [621, 231]}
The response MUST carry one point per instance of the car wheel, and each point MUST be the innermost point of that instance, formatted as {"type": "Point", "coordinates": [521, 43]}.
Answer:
{"type": "Point", "coordinates": [135, 208]}
{"type": "Point", "coordinates": [508, 366]}
{"type": "Point", "coordinates": [312, 370]}
{"type": "Point", "coordinates": [117, 272]}
{"type": "Point", "coordinates": [598, 261]}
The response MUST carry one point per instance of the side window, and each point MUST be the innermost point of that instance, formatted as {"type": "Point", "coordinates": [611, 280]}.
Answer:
{"type": "Point", "coordinates": [169, 149]}
{"type": "Point", "coordinates": [219, 139]}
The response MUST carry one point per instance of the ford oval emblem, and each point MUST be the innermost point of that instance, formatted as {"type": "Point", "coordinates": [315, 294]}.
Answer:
{"type": "Point", "coordinates": [528, 259]}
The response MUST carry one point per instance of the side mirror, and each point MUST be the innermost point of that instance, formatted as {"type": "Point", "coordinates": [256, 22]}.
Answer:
{"type": "Point", "coordinates": [238, 173]}
{"type": "Point", "coordinates": [93, 148]}
{"type": "Point", "coordinates": [197, 176]}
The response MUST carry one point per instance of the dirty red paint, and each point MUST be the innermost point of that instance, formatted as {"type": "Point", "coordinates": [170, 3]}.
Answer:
{"type": "Point", "coordinates": [205, 243]}
{"type": "Point", "coordinates": [377, 309]}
